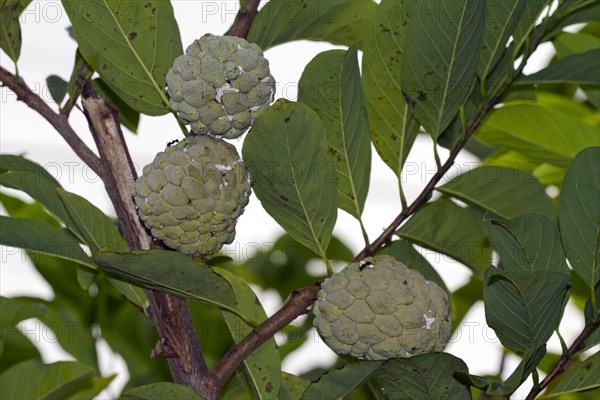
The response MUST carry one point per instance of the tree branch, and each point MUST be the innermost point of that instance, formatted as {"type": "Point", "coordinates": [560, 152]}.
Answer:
{"type": "Point", "coordinates": [58, 121]}
{"type": "Point", "coordinates": [170, 314]}
{"type": "Point", "coordinates": [297, 305]}
{"type": "Point", "coordinates": [427, 192]}
{"type": "Point", "coordinates": [564, 361]}
{"type": "Point", "coordinates": [244, 18]}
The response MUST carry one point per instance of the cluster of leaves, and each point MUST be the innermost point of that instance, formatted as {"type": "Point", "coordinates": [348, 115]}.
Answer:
{"type": "Point", "coordinates": [428, 67]}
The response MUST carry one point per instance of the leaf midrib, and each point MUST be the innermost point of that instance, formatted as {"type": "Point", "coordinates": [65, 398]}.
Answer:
{"type": "Point", "coordinates": [345, 147]}
{"type": "Point", "coordinates": [300, 199]}
{"type": "Point", "coordinates": [137, 57]}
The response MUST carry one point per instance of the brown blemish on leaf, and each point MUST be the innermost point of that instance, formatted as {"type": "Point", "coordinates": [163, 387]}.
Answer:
{"type": "Point", "coordinates": [384, 29]}
{"type": "Point", "coordinates": [422, 96]}
{"type": "Point", "coordinates": [268, 387]}
{"type": "Point", "coordinates": [132, 36]}
{"type": "Point", "coordinates": [286, 120]}
{"type": "Point", "coordinates": [407, 99]}
{"type": "Point", "coordinates": [284, 198]}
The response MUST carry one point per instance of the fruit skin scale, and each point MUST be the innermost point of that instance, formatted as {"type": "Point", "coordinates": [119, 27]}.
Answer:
{"type": "Point", "coordinates": [192, 194]}
{"type": "Point", "coordinates": [379, 309]}
{"type": "Point", "coordinates": [220, 85]}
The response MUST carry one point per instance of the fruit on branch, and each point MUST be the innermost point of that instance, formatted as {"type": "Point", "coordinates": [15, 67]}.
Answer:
{"type": "Point", "coordinates": [220, 85]}
{"type": "Point", "coordinates": [379, 309]}
{"type": "Point", "coordinates": [191, 195]}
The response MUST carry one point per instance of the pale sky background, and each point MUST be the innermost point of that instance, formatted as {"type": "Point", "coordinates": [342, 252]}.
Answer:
{"type": "Point", "coordinates": [47, 49]}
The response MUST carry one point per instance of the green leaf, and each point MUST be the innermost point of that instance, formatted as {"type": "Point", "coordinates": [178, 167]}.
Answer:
{"type": "Point", "coordinates": [285, 153]}
{"type": "Point", "coordinates": [331, 86]}
{"type": "Point", "coordinates": [292, 386]}
{"type": "Point", "coordinates": [497, 388]}
{"type": "Point", "coordinates": [434, 226]}
{"type": "Point", "coordinates": [506, 192]}
{"type": "Point", "coordinates": [91, 388]}
{"type": "Point", "coordinates": [15, 348]}
{"type": "Point", "coordinates": [579, 215]}
{"type": "Point", "coordinates": [162, 390]}
{"type": "Point", "coordinates": [428, 376]}
{"type": "Point", "coordinates": [527, 365]}
{"type": "Point", "coordinates": [92, 224]}
{"type": "Point", "coordinates": [538, 132]}
{"type": "Point", "coordinates": [579, 376]}
{"type": "Point", "coordinates": [393, 130]}
{"type": "Point", "coordinates": [406, 254]}
{"type": "Point", "coordinates": [501, 18]}
{"type": "Point", "coordinates": [440, 59]}
{"type": "Point", "coordinates": [19, 173]}
{"type": "Point", "coordinates": [567, 44]}
{"type": "Point", "coordinates": [13, 311]}
{"type": "Point", "coordinates": [42, 238]}
{"type": "Point", "coordinates": [131, 45]}
{"type": "Point", "coordinates": [529, 243]}
{"type": "Point", "coordinates": [10, 35]}
{"type": "Point", "coordinates": [33, 379]}
{"type": "Point", "coordinates": [129, 117]}
{"type": "Point", "coordinates": [570, 13]}
{"type": "Point", "coordinates": [174, 273]}
{"type": "Point", "coordinates": [99, 232]}
{"type": "Point", "coordinates": [577, 68]}
{"type": "Point", "coordinates": [336, 21]}
{"type": "Point", "coordinates": [524, 307]}
{"type": "Point", "coordinates": [20, 165]}
{"type": "Point", "coordinates": [263, 365]}
{"type": "Point", "coordinates": [70, 320]}
{"type": "Point", "coordinates": [547, 174]}
{"type": "Point", "coordinates": [17, 208]}
{"type": "Point", "coordinates": [57, 87]}
{"type": "Point", "coordinates": [526, 24]}
{"type": "Point", "coordinates": [340, 381]}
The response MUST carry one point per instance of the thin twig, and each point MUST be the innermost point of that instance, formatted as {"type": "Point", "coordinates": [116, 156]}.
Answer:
{"type": "Point", "coordinates": [564, 361]}
{"type": "Point", "coordinates": [427, 192]}
{"type": "Point", "coordinates": [297, 305]}
{"type": "Point", "coordinates": [243, 20]}
{"type": "Point", "coordinates": [58, 121]}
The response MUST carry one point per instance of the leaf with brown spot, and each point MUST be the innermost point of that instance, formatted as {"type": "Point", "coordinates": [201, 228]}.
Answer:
{"type": "Point", "coordinates": [10, 29]}
{"type": "Point", "coordinates": [388, 110]}
{"type": "Point", "coordinates": [135, 69]}
{"type": "Point", "coordinates": [331, 86]}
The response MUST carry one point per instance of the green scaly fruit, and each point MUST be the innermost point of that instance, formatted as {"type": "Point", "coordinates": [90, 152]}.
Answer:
{"type": "Point", "coordinates": [220, 85]}
{"type": "Point", "coordinates": [192, 194]}
{"type": "Point", "coordinates": [379, 309]}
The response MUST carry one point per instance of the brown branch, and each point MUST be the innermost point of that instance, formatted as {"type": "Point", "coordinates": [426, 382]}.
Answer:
{"type": "Point", "coordinates": [297, 305]}
{"type": "Point", "coordinates": [170, 314]}
{"type": "Point", "coordinates": [427, 192]}
{"type": "Point", "coordinates": [564, 361]}
{"type": "Point", "coordinates": [244, 18]}
{"type": "Point", "coordinates": [58, 121]}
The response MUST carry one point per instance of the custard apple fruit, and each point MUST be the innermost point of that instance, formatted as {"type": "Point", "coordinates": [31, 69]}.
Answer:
{"type": "Point", "coordinates": [191, 195]}
{"type": "Point", "coordinates": [220, 85]}
{"type": "Point", "coordinates": [379, 309]}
